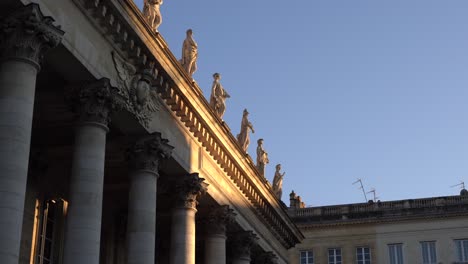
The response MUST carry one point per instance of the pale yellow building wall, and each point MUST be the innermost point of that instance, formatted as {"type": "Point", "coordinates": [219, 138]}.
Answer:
{"type": "Point", "coordinates": [377, 236]}
{"type": "Point", "coordinates": [348, 238]}
{"type": "Point", "coordinates": [412, 233]}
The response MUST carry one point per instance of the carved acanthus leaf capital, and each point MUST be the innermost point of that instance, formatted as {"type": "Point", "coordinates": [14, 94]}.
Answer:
{"type": "Point", "coordinates": [217, 219]}
{"type": "Point", "coordinates": [266, 258]}
{"type": "Point", "coordinates": [147, 152]}
{"type": "Point", "coordinates": [242, 242]}
{"type": "Point", "coordinates": [188, 190]}
{"type": "Point", "coordinates": [27, 34]}
{"type": "Point", "coordinates": [93, 102]}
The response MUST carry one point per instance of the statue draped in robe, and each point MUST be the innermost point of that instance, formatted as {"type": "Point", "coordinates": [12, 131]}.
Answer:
{"type": "Point", "coordinates": [152, 14]}
{"type": "Point", "coordinates": [218, 96]}
{"type": "Point", "coordinates": [189, 54]}
{"type": "Point", "coordinates": [243, 136]}
{"type": "Point", "coordinates": [262, 157]}
{"type": "Point", "coordinates": [278, 182]}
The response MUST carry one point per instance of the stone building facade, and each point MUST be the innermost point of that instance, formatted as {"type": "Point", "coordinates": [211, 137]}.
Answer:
{"type": "Point", "coordinates": [430, 230]}
{"type": "Point", "coordinates": [110, 153]}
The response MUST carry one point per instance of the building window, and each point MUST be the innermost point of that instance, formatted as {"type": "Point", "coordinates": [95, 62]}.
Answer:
{"type": "Point", "coordinates": [429, 255]}
{"type": "Point", "coordinates": [48, 231]}
{"type": "Point", "coordinates": [334, 256]}
{"type": "Point", "coordinates": [307, 257]}
{"type": "Point", "coordinates": [363, 255]}
{"type": "Point", "coordinates": [396, 253]}
{"type": "Point", "coordinates": [462, 250]}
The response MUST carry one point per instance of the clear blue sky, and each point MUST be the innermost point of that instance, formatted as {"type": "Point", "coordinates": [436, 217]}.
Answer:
{"type": "Point", "coordinates": [341, 89]}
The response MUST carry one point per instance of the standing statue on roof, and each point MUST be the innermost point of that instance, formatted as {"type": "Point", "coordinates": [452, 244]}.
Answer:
{"type": "Point", "coordinates": [218, 96]}
{"type": "Point", "coordinates": [262, 157]}
{"type": "Point", "coordinates": [243, 136]}
{"type": "Point", "coordinates": [152, 14]}
{"type": "Point", "coordinates": [278, 182]}
{"type": "Point", "coordinates": [189, 54]}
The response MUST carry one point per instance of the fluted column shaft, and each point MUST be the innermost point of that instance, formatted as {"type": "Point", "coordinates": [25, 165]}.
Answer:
{"type": "Point", "coordinates": [183, 219]}
{"type": "Point", "coordinates": [83, 230]}
{"type": "Point", "coordinates": [27, 34]}
{"type": "Point", "coordinates": [144, 158]}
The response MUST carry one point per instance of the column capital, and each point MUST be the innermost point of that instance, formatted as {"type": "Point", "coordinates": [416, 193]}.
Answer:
{"type": "Point", "coordinates": [146, 153]}
{"type": "Point", "coordinates": [93, 101]}
{"type": "Point", "coordinates": [266, 258]}
{"type": "Point", "coordinates": [217, 219]}
{"type": "Point", "coordinates": [242, 243]}
{"type": "Point", "coordinates": [28, 34]}
{"type": "Point", "coordinates": [188, 189]}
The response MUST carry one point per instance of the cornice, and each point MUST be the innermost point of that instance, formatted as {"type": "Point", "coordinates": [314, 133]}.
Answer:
{"type": "Point", "coordinates": [122, 23]}
{"type": "Point", "coordinates": [381, 212]}
{"type": "Point", "coordinates": [382, 220]}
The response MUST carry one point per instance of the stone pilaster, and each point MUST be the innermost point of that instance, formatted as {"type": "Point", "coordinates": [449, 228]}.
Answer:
{"type": "Point", "coordinates": [93, 102]}
{"type": "Point", "coordinates": [215, 223]}
{"type": "Point", "coordinates": [25, 35]}
{"type": "Point", "coordinates": [187, 191]}
{"type": "Point", "coordinates": [144, 158]}
{"type": "Point", "coordinates": [241, 245]}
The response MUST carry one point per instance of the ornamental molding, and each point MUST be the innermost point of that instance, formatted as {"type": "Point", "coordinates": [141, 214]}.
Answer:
{"type": "Point", "coordinates": [26, 34]}
{"type": "Point", "coordinates": [124, 25]}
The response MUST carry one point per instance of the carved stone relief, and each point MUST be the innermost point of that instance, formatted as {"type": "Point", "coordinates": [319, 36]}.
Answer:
{"type": "Point", "coordinates": [136, 90]}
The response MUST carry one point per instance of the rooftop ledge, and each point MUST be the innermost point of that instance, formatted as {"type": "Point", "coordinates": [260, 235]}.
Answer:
{"type": "Point", "coordinates": [433, 207]}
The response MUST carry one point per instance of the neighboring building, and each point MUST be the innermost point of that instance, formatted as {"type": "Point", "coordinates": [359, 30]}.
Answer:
{"type": "Point", "coordinates": [428, 231]}
{"type": "Point", "coordinates": [129, 163]}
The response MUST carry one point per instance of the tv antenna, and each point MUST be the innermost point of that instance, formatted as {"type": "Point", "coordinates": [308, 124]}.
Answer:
{"type": "Point", "coordinates": [461, 184]}
{"type": "Point", "coordinates": [361, 187]}
{"type": "Point", "coordinates": [374, 194]}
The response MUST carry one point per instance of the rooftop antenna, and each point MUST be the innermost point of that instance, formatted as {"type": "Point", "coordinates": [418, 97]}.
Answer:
{"type": "Point", "coordinates": [362, 188]}
{"type": "Point", "coordinates": [373, 192]}
{"type": "Point", "coordinates": [461, 184]}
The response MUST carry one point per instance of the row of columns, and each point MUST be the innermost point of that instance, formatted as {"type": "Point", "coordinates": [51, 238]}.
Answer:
{"type": "Point", "coordinates": [26, 36]}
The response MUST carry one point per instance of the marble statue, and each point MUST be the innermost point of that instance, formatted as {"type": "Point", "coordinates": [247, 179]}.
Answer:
{"type": "Point", "coordinates": [278, 182]}
{"type": "Point", "coordinates": [152, 14]}
{"type": "Point", "coordinates": [262, 157]}
{"type": "Point", "coordinates": [243, 136]}
{"type": "Point", "coordinates": [189, 54]}
{"type": "Point", "coordinates": [218, 96]}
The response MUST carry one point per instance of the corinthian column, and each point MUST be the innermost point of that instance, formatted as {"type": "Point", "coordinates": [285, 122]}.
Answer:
{"type": "Point", "coordinates": [83, 232]}
{"type": "Point", "coordinates": [25, 35]}
{"type": "Point", "coordinates": [215, 234]}
{"type": "Point", "coordinates": [241, 245]}
{"type": "Point", "coordinates": [144, 158]}
{"type": "Point", "coordinates": [183, 219]}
